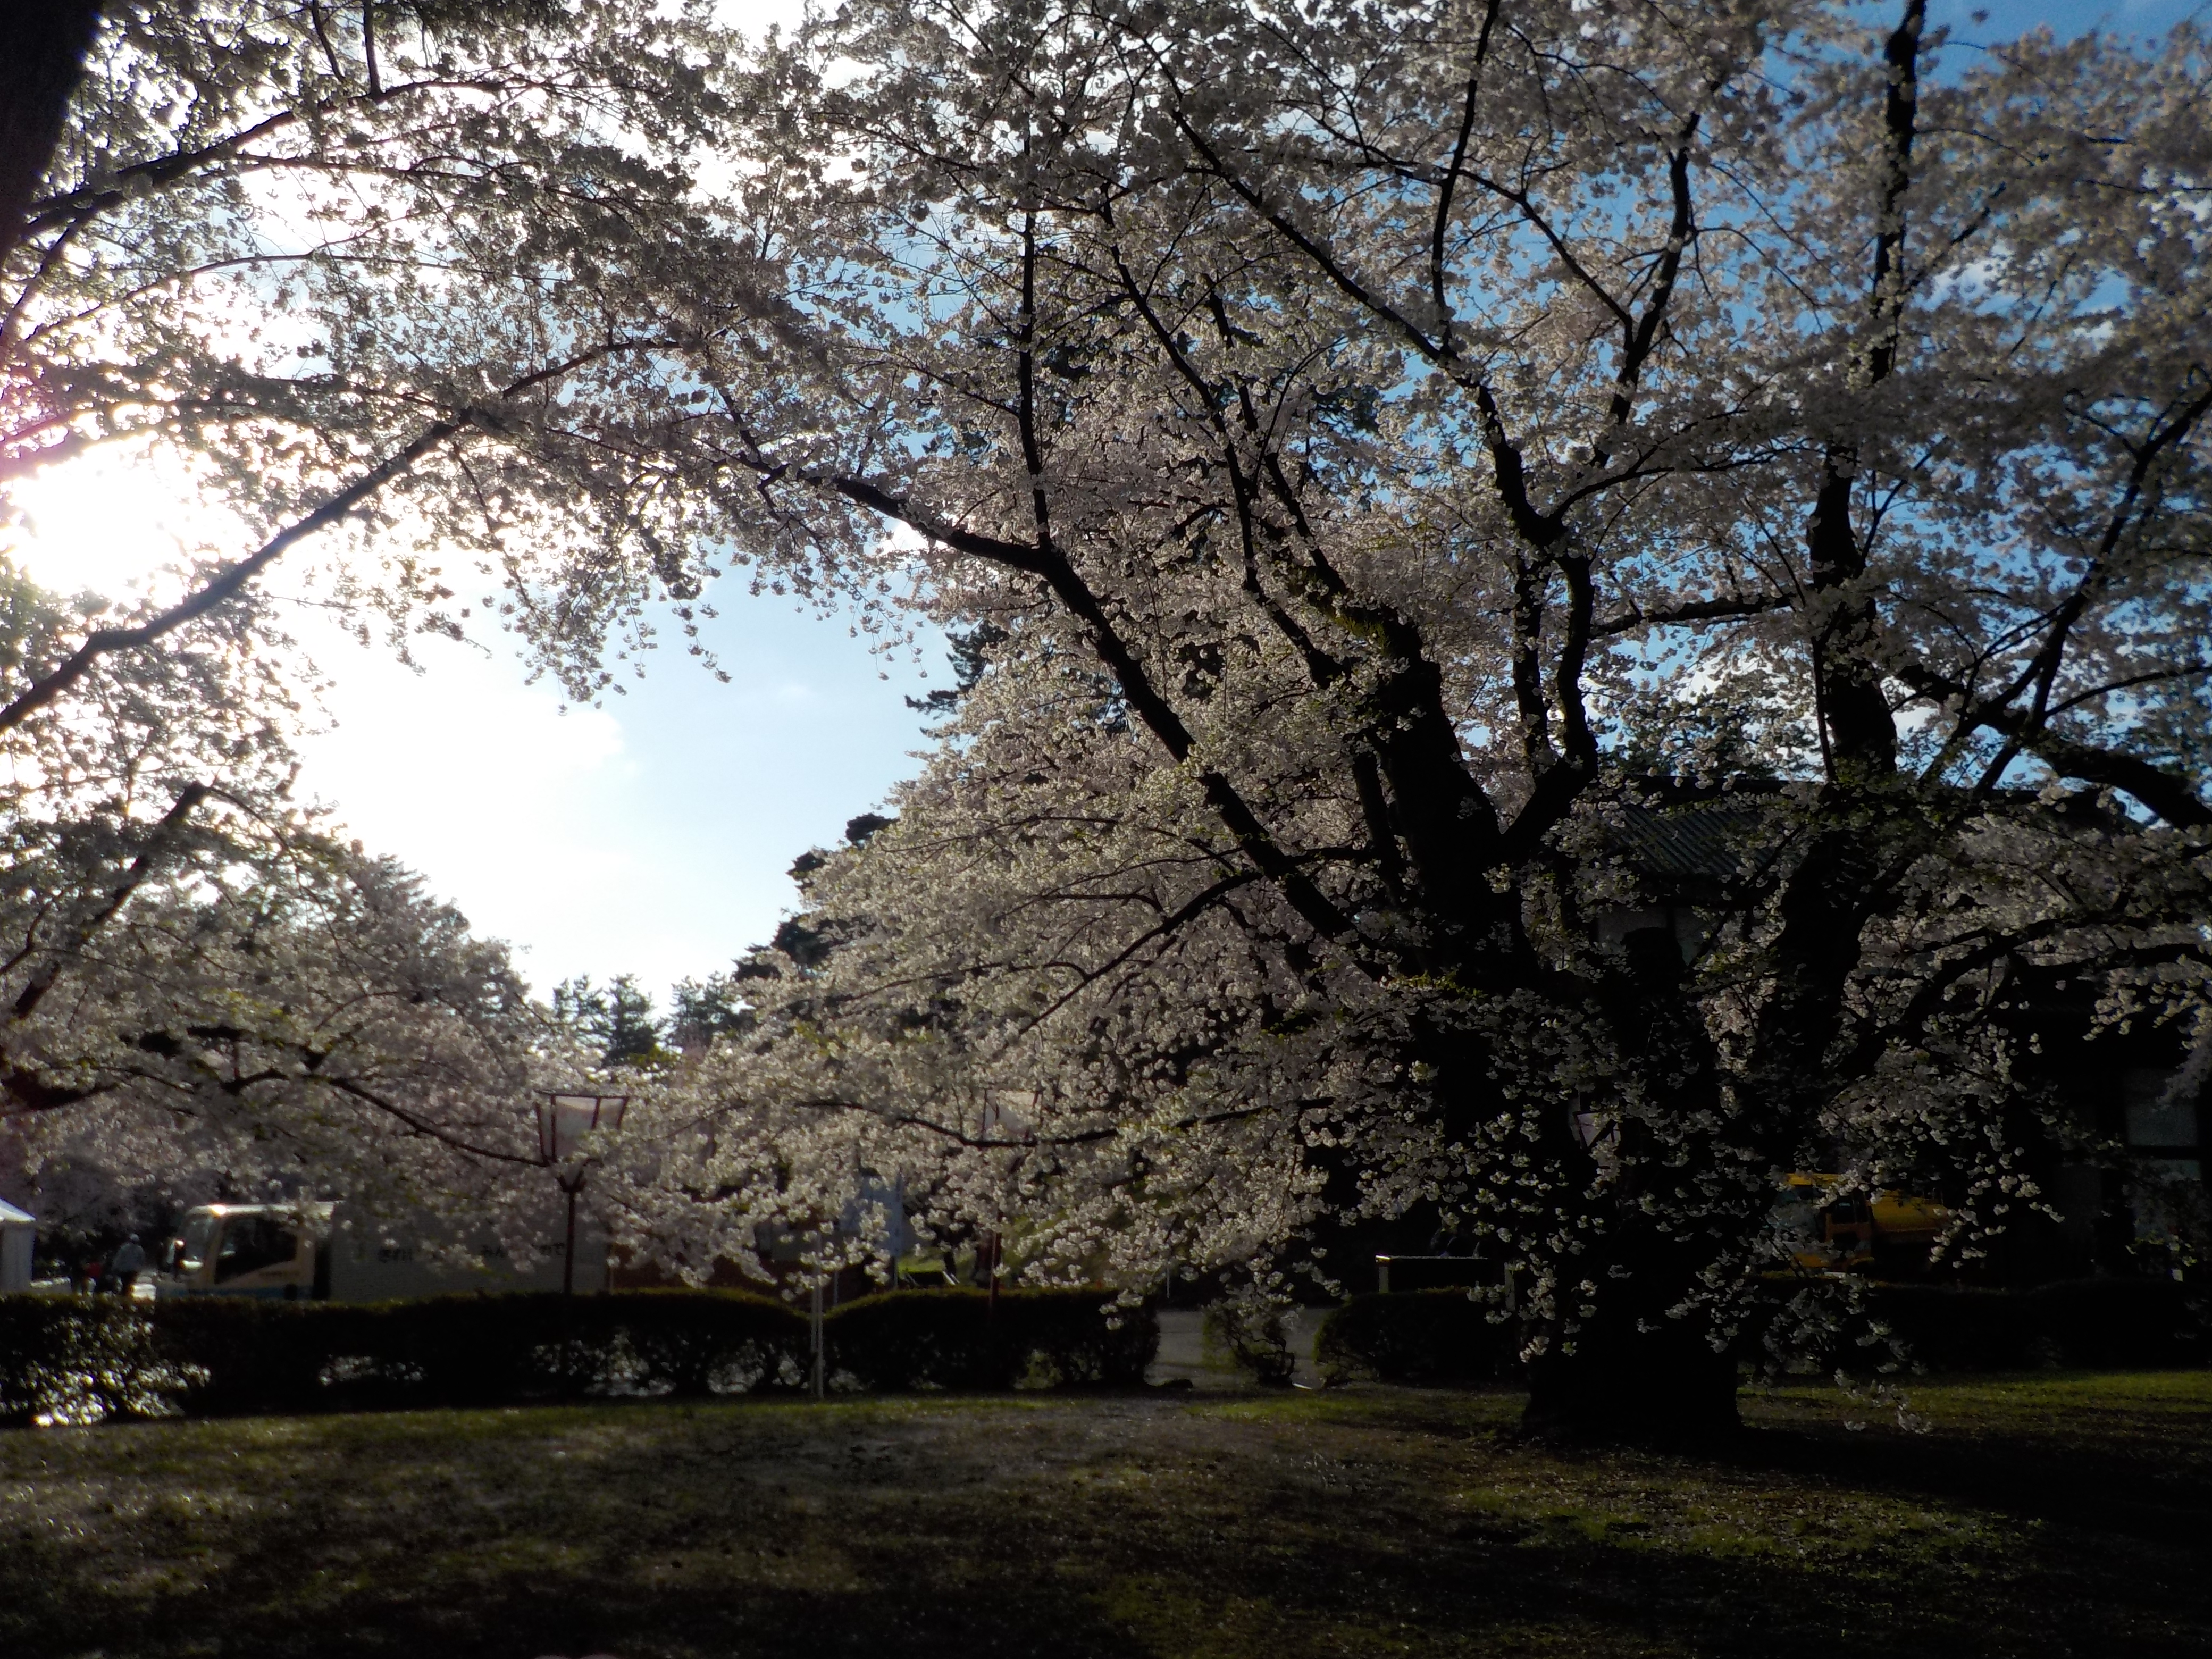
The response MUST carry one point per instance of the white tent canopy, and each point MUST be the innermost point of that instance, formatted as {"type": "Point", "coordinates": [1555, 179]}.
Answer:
{"type": "Point", "coordinates": [18, 1231]}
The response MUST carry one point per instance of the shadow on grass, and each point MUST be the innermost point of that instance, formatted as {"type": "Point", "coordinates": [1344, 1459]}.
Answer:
{"type": "Point", "coordinates": [1393, 1524]}
{"type": "Point", "coordinates": [2084, 1491]}
{"type": "Point", "coordinates": [589, 1603]}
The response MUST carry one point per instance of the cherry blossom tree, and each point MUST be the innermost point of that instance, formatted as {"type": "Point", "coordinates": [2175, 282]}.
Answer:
{"type": "Point", "coordinates": [204, 991]}
{"type": "Point", "coordinates": [348, 266]}
{"type": "Point", "coordinates": [1389, 457]}
{"type": "Point", "coordinates": [336, 267]}
{"type": "Point", "coordinates": [1404, 449]}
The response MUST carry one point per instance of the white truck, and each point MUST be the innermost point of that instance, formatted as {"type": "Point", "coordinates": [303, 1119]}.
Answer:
{"type": "Point", "coordinates": [333, 1252]}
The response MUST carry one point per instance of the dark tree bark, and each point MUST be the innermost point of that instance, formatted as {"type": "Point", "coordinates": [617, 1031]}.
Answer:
{"type": "Point", "coordinates": [42, 47]}
{"type": "Point", "coordinates": [1645, 1367]}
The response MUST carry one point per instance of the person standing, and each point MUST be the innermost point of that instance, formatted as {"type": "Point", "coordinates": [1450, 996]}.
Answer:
{"type": "Point", "coordinates": [124, 1269]}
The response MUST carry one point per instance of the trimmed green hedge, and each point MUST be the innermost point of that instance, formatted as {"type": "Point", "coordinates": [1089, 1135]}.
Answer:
{"type": "Point", "coordinates": [248, 1357]}
{"type": "Point", "coordinates": [77, 1360]}
{"type": "Point", "coordinates": [81, 1359]}
{"type": "Point", "coordinates": [2085, 1323]}
{"type": "Point", "coordinates": [908, 1340]}
{"type": "Point", "coordinates": [1441, 1337]}
{"type": "Point", "coordinates": [1425, 1337]}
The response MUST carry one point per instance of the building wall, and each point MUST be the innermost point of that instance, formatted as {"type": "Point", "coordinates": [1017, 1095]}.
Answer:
{"type": "Point", "coordinates": [17, 1242]}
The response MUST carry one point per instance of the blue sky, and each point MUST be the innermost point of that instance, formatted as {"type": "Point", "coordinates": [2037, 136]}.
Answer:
{"type": "Point", "coordinates": [649, 835]}
{"type": "Point", "coordinates": [2068, 17]}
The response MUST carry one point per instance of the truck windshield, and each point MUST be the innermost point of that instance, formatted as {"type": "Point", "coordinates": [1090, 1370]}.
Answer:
{"type": "Point", "coordinates": [252, 1242]}
{"type": "Point", "coordinates": [1797, 1218]}
{"type": "Point", "coordinates": [198, 1230]}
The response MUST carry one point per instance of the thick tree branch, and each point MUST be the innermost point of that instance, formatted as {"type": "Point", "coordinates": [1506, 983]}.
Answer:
{"type": "Point", "coordinates": [226, 584]}
{"type": "Point", "coordinates": [418, 1124]}
{"type": "Point", "coordinates": [2042, 671]}
{"type": "Point", "coordinates": [2172, 798]}
{"type": "Point", "coordinates": [1174, 923]}
{"type": "Point", "coordinates": [233, 579]}
{"type": "Point", "coordinates": [40, 65]}
{"type": "Point", "coordinates": [1641, 338]}
{"type": "Point", "coordinates": [1322, 668]}
{"type": "Point", "coordinates": [1439, 295]}
{"type": "Point", "coordinates": [1858, 733]}
{"type": "Point", "coordinates": [157, 842]}
{"type": "Point", "coordinates": [1698, 610]}
{"type": "Point", "coordinates": [24, 1086]}
{"type": "Point", "coordinates": [127, 183]}
{"type": "Point", "coordinates": [1157, 715]}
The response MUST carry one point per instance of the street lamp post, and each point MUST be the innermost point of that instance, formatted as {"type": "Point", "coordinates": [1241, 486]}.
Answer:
{"type": "Point", "coordinates": [563, 1121]}
{"type": "Point", "coordinates": [814, 1335]}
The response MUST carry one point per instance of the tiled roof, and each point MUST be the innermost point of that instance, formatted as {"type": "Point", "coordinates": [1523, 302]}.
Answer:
{"type": "Point", "coordinates": [1703, 839]}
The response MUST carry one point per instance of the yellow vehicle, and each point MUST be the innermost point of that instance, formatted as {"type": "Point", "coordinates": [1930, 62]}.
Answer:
{"type": "Point", "coordinates": [1886, 1232]}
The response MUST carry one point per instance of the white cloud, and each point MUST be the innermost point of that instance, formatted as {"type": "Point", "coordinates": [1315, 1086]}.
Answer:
{"type": "Point", "coordinates": [473, 777]}
{"type": "Point", "coordinates": [651, 836]}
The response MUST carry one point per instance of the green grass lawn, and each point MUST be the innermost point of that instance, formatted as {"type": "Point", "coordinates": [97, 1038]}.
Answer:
{"type": "Point", "coordinates": [2051, 1515]}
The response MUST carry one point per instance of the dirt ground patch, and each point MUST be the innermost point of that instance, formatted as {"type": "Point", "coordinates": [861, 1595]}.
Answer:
{"type": "Point", "coordinates": [2043, 1515]}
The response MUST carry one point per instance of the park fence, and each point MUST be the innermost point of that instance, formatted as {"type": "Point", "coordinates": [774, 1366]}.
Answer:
{"type": "Point", "coordinates": [66, 1359]}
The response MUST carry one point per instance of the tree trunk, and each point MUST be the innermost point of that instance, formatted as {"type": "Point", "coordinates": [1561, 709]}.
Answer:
{"type": "Point", "coordinates": [42, 62]}
{"type": "Point", "coordinates": [1635, 1372]}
